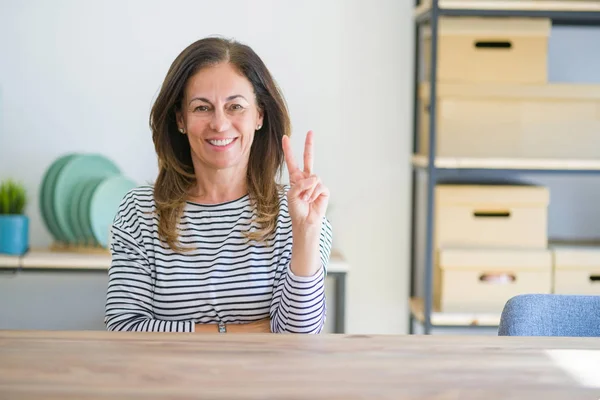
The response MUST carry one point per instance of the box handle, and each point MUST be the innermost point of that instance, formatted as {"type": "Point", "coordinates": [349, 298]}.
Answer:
{"type": "Point", "coordinates": [595, 278]}
{"type": "Point", "coordinates": [493, 44]}
{"type": "Point", "coordinates": [498, 277]}
{"type": "Point", "coordinates": [491, 214]}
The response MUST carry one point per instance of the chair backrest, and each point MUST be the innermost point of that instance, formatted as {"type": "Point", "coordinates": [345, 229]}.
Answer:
{"type": "Point", "coordinates": [551, 315]}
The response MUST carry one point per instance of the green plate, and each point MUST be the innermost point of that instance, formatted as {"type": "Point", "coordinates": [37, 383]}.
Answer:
{"type": "Point", "coordinates": [80, 168]}
{"type": "Point", "coordinates": [76, 203]}
{"type": "Point", "coordinates": [105, 204]}
{"type": "Point", "coordinates": [45, 199]}
{"type": "Point", "coordinates": [84, 211]}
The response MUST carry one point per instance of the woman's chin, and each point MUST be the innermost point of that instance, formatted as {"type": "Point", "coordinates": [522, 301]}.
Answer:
{"type": "Point", "coordinates": [220, 161]}
{"type": "Point", "coordinates": [223, 164]}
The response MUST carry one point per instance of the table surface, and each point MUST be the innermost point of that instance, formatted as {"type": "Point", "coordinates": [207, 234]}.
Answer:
{"type": "Point", "coordinates": [103, 365]}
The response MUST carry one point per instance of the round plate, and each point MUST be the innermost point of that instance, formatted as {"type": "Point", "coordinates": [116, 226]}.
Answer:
{"type": "Point", "coordinates": [46, 208]}
{"type": "Point", "coordinates": [105, 204]}
{"type": "Point", "coordinates": [84, 211]}
{"type": "Point", "coordinates": [74, 222]}
{"type": "Point", "coordinates": [78, 169]}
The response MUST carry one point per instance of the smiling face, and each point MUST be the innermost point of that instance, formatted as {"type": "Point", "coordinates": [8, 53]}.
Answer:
{"type": "Point", "coordinates": [219, 114]}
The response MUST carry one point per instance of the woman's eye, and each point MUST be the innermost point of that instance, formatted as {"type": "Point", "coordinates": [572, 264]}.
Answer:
{"type": "Point", "coordinates": [201, 108]}
{"type": "Point", "coordinates": [236, 107]}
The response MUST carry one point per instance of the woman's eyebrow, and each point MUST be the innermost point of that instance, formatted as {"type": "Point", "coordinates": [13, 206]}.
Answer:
{"type": "Point", "coordinates": [233, 97]}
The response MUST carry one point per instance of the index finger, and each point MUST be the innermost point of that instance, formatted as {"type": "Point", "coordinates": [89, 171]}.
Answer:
{"type": "Point", "coordinates": [289, 155]}
{"type": "Point", "coordinates": [308, 153]}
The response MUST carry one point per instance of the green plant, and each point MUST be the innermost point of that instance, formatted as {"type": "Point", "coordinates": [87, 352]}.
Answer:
{"type": "Point", "coordinates": [13, 197]}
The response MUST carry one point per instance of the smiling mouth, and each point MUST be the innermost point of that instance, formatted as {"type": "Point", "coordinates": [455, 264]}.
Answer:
{"type": "Point", "coordinates": [221, 142]}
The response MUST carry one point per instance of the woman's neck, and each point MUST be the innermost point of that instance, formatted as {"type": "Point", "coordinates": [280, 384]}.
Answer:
{"type": "Point", "coordinates": [218, 186]}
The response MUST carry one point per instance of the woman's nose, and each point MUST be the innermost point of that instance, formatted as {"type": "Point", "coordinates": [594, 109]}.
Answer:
{"type": "Point", "coordinates": [219, 121]}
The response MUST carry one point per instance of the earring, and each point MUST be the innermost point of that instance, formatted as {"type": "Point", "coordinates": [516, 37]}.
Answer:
{"type": "Point", "coordinates": [181, 130]}
{"type": "Point", "coordinates": [258, 127]}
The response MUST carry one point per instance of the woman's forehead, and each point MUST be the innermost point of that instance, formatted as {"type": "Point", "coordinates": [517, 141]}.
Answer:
{"type": "Point", "coordinates": [219, 82]}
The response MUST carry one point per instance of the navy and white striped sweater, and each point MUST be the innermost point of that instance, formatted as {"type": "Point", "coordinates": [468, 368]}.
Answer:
{"type": "Point", "coordinates": [226, 277]}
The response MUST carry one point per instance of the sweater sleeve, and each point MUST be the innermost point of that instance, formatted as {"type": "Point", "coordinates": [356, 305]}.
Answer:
{"type": "Point", "coordinates": [299, 303]}
{"type": "Point", "coordinates": [129, 302]}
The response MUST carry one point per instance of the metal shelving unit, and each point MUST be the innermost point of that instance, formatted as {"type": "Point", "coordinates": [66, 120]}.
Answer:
{"type": "Point", "coordinates": [428, 12]}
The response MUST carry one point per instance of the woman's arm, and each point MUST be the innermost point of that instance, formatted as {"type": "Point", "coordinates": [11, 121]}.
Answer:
{"type": "Point", "coordinates": [298, 304]}
{"type": "Point", "coordinates": [130, 286]}
{"type": "Point", "coordinates": [306, 260]}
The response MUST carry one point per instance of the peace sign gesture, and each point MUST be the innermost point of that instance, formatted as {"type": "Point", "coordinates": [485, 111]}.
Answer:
{"type": "Point", "coordinates": [308, 197]}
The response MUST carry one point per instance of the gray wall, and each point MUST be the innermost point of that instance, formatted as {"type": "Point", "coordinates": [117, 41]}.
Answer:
{"type": "Point", "coordinates": [52, 300]}
{"type": "Point", "coordinates": [574, 54]}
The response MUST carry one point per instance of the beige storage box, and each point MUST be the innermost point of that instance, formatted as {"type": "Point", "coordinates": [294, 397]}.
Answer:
{"type": "Point", "coordinates": [554, 121]}
{"type": "Point", "coordinates": [483, 280]}
{"type": "Point", "coordinates": [495, 216]}
{"type": "Point", "coordinates": [576, 269]}
{"type": "Point", "coordinates": [492, 50]}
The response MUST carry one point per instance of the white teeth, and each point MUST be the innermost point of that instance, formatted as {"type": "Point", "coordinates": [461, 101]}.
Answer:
{"type": "Point", "coordinates": [224, 142]}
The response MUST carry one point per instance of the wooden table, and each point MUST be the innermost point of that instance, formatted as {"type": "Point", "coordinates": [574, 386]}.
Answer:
{"type": "Point", "coordinates": [117, 365]}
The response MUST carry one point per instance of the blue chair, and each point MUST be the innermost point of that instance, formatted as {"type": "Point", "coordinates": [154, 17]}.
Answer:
{"type": "Point", "coordinates": [551, 315]}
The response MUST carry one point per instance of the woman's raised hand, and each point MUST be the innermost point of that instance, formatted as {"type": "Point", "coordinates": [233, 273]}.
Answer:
{"type": "Point", "coordinates": [308, 197]}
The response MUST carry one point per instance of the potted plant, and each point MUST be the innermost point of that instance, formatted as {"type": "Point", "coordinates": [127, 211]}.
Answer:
{"type": "Point", "coordinates": [14, 224]}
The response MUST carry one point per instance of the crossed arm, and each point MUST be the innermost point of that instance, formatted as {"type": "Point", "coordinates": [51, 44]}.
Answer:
{"type": "Point", "coordinates": [262, 326]}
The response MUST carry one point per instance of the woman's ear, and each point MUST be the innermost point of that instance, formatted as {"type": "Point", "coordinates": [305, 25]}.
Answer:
{"type": "Point", "coordinates": [259, 122]}
{"type": "Point", "coordinates": [180, 121]}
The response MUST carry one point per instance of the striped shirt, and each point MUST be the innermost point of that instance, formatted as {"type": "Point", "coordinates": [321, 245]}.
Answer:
{"type": "Point", "coordinates": [225, 278]}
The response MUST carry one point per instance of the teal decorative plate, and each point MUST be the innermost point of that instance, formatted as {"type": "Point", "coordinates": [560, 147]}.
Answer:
{"type": "Point", "coordinates": [75, 222]}
{"type": "Point", "coordinates": [47, 187]}
{"type": "Point", "coordinates": [105, 204]}
{"type": "Point", "coordinates": [72, 217]}
{"type": "Point", "coordinates": [80, 168]}
{"type": "Point", "coordinates": [84, 211]}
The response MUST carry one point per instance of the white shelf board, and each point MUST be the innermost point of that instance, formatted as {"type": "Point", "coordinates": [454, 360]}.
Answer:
{"type": "Point", "coordinates": [49, 259]}
{"type": "Point", "coordinates": [507, 163]}
{"type": "Point", "coordinates": [10, 261]}
{"type": "Point", "coordinates": [516, 5]}
{"type": "Point", "coordinates": [441, 319]}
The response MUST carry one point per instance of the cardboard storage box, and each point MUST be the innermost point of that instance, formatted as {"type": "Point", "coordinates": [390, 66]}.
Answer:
{"type": "Point", "coordinates": [492, 50]}
{"type": "Point", "coordinates": [483, 280]}
{"type": "Point", "coordinates": [553, 121]}
{"type": "Point", "coordinates": [576, 269]}
{"type": "Point", "coordinates": [497, 216]}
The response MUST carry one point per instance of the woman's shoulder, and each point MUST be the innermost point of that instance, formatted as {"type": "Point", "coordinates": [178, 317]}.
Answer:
{"type": "Point", "coordinates": [137, 201]}
{"type": "Point", "coordinates": [140, 196]}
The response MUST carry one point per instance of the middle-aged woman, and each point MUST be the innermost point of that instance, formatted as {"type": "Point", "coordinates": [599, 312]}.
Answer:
{"type": "Point", "coordinates": [217, 244]}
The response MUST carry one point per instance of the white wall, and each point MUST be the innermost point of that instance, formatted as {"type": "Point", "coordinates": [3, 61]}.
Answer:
{"type": "Point", "coordinates": [82, 75]}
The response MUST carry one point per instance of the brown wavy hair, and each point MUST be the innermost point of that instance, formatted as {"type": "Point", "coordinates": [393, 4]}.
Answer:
{"type": "Point", "coordinates": [176, 172]}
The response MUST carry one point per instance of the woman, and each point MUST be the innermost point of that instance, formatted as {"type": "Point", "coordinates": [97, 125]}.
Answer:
{"type": "Point", "coordinates": [217, 245]}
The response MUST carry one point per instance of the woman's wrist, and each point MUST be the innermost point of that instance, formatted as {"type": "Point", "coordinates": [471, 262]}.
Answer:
{"type": "Point", "coordinates": [306, 259]}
